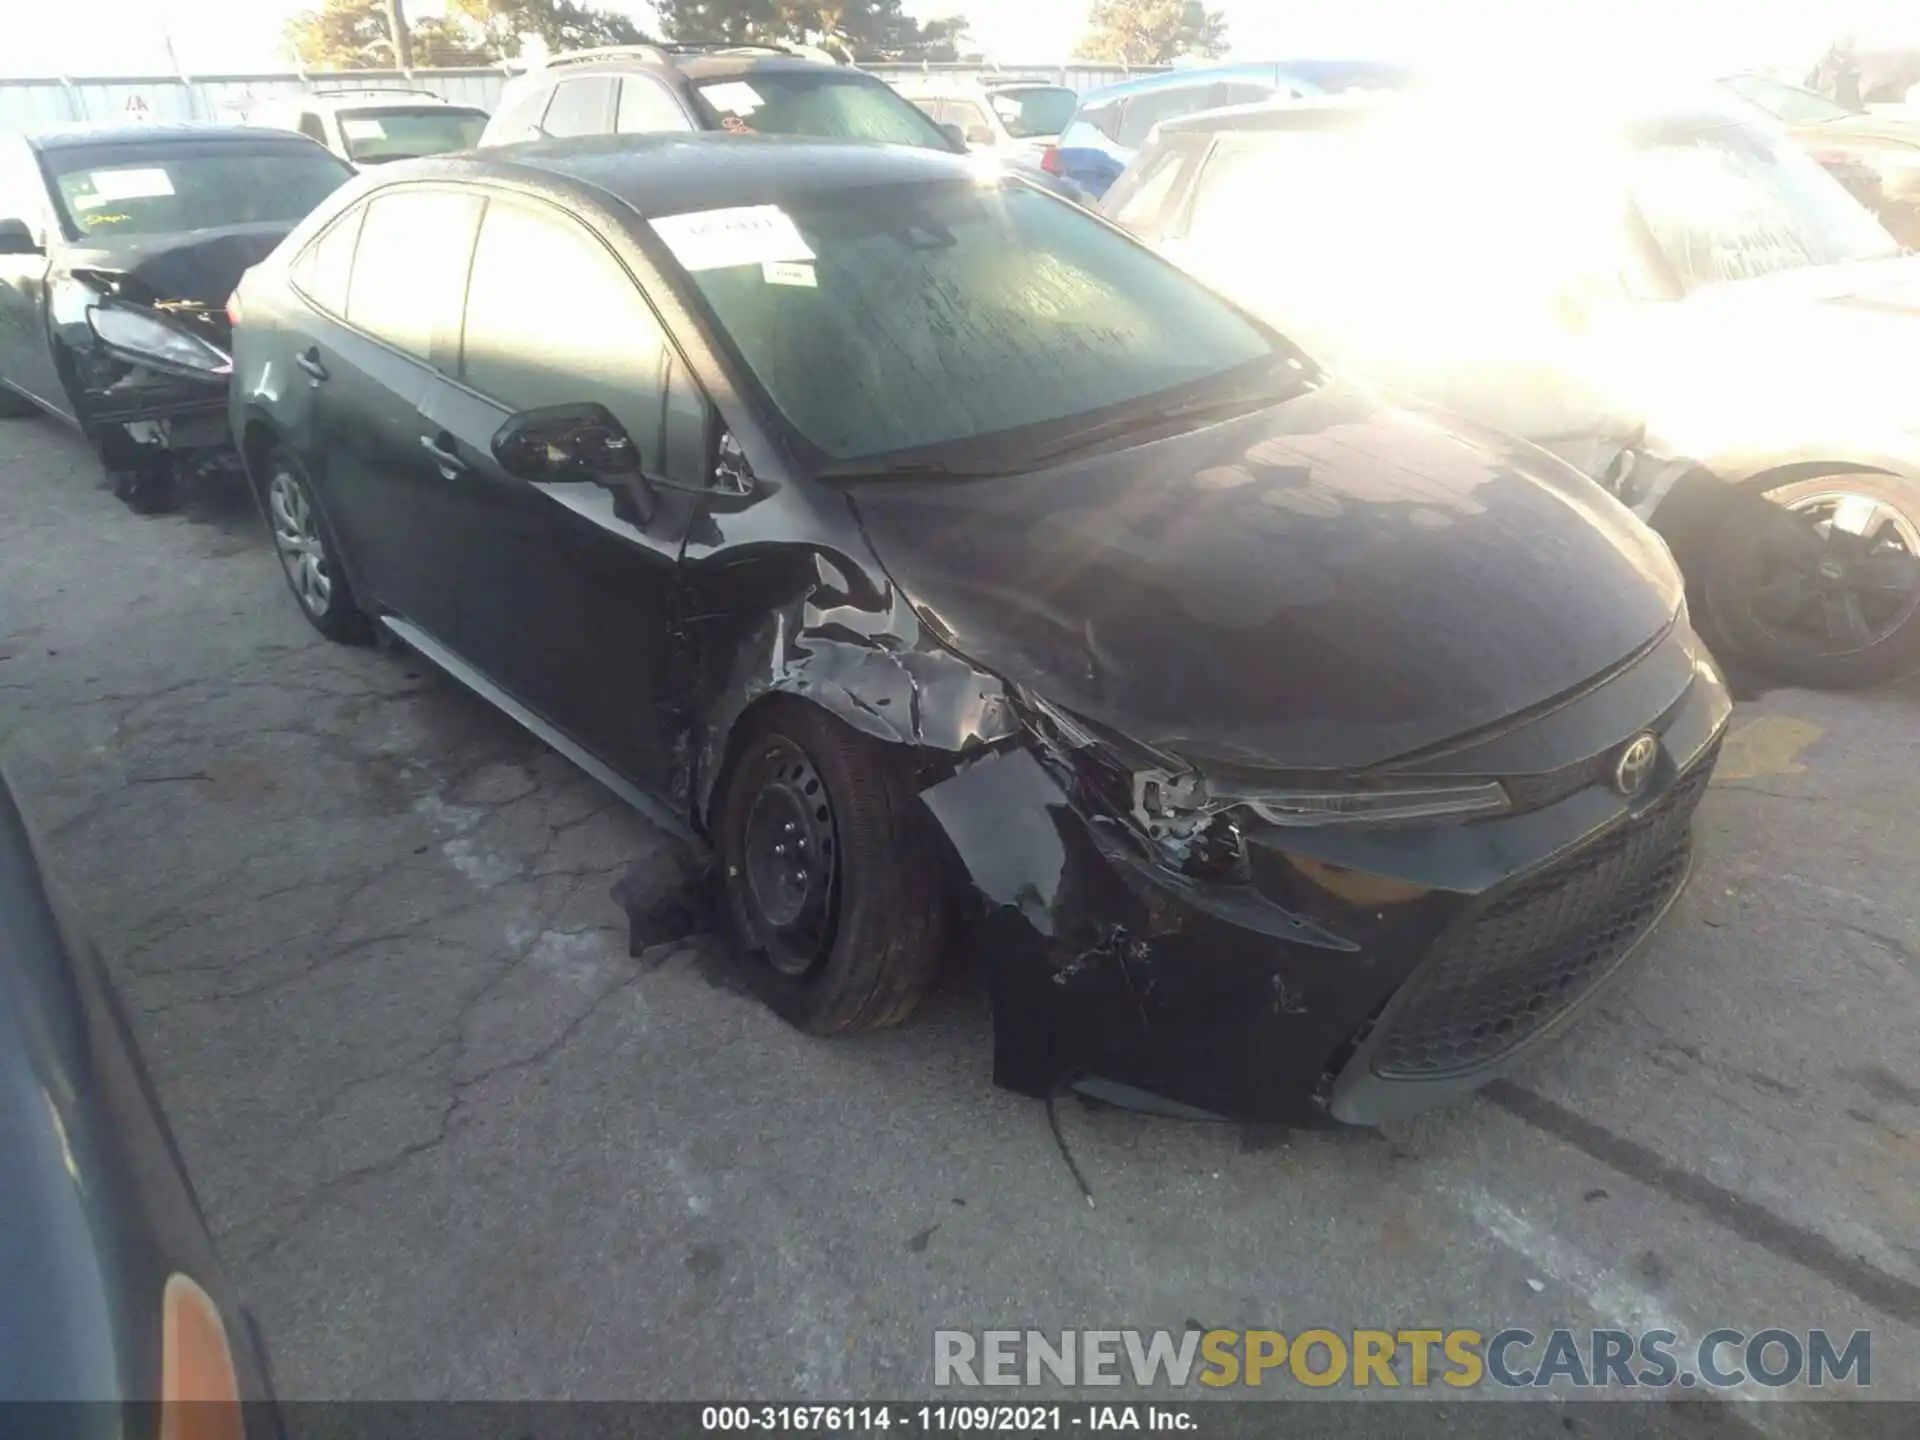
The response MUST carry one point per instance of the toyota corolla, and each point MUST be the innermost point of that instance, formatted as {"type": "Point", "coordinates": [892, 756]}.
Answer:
{"type": "Point", "coordinates": [948, 561]}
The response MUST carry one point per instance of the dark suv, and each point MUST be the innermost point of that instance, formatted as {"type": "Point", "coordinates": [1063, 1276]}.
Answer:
{"type": "Point", "coordinates": [647, 89]}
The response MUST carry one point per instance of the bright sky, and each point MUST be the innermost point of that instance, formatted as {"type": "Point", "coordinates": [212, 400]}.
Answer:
{"type": "Point", "coordinates": [128, 36]}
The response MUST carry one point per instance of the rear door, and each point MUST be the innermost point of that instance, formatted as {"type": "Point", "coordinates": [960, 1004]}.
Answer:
{"type": "Point", "coordinates": [567, 590]}
{"type": "Point", "coordinates": [369, 370]}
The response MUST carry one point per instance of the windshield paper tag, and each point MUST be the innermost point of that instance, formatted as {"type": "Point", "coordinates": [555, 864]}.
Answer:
{"type": "Point", "coordinates": [131, 184]}
{"type": "Point", "coordinates": [716, 239]}
{"type": "Point", "coordinates": [362, 129]}
{"type": "Point", "coordinates": [736, 97]}
{"type": "Point", "coordinates": [789, 272]}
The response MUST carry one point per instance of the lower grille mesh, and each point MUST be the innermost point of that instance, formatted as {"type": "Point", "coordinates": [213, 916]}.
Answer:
{"type": "Point", "coordinates": [1507, 971]}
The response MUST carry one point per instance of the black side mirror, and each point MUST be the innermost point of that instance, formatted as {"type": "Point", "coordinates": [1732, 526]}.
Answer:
{"type": "Point", "coordinates": [17, 239]}
{"type": "Point", "coordinates": [566, 442]}
{"type": "Point", "coordinates": [954, 134]}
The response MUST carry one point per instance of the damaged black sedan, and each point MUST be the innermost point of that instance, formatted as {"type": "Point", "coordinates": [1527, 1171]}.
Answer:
{"type": "Point", "coordinates": [118, 249]}
{"type": "Point", "coordinates": [946, 560]}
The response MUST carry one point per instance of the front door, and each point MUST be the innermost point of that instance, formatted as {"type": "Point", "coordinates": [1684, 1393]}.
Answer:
{"type": "Point", "coordinates": [567, 590]}
{"type": "Point", "coordinates": [26, 347]}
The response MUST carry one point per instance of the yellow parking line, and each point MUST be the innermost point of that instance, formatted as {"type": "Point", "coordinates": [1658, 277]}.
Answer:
{"type": "Point", "coordinates": [1767, 745]}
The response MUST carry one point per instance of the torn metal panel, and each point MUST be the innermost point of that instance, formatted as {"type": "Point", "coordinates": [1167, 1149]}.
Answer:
{"type": "Point", "coordinates": [1101, 960]}
{"type": "Point", "coordinates": [875, 665]}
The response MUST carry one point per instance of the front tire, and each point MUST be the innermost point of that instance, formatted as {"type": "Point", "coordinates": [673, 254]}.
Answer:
{"type": "Point", "coordinates": [309, 557]}
{"type": "Point", "coordinates": [832, 877]}
{"type": "Point", "coordinates": [1818, 583]}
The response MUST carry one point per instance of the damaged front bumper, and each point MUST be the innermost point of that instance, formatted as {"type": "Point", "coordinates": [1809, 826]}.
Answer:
{"type": "Point", "coordinates": [149, 376]}
{"type": "Point", "coordinates": [1346, 975]}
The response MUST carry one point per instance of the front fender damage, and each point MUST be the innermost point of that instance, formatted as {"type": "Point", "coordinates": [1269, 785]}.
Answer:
{"type": "Point", "coordinates": [1073, 909]}
{"type": "Point", "coordinates": [869, 659]}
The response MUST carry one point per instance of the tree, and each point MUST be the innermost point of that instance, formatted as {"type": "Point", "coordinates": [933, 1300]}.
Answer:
{"type": "Point", "coordinates": [397, 29]}
{"type": "Point", "coordinates": [854, 29]}
{"type": "Point", "coordinates": [1152, 32]}
{"type": "Point", "coordinates": [558, 24]}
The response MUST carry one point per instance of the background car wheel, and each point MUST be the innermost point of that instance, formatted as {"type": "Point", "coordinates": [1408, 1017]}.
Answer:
{"type": "Point", "coordinates": [832, 877]}
{"type": "Point", "coordinates": [147, 488]}
{"type": "Point", "coordinates": [1820, 586]}
{"type": "Point", "coordinates": [15, 406]}
{"type": "Point", "coordinates": [307, 554]}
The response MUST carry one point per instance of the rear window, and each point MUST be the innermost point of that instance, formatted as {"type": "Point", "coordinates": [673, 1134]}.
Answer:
{"type": "Point", "coordinates": [1031, 112]}
{"type": "Point", "coordinates": [906, 317]}
{"type": "Point", "coordinates": [828, 106]}
{"type": "Point", "coordinates": [147, 189]}
{"type": "Point", "coordinates": [375, 136]}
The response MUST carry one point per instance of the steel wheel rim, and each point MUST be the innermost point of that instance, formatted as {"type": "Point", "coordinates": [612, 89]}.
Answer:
{"type": "Point", "coordinates": [296, 536]}
{"type": "Point", "coordinates": [787, 868]}
{"type": "Point", "coordinates": [1839, 573]}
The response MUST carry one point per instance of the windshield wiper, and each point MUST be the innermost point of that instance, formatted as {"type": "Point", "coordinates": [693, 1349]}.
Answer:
{"type": "Point", "coordinates": [1200, 408]}
{"type": "Point", "coordinates": [911, 470]}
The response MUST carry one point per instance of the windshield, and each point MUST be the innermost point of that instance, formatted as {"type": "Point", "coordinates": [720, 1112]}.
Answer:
{"type": "Point", "coordinates": [1788, 104]}
{"type": "Point", "coordinates": [828, 106]}
{"type": "Point", "coordinates": [148, 189]}
{"type": "Point", "coordinates": [905, 317]}
{"type": "Point", "coordinates": [1029, 113]}
{"type": "Point", "coordinates": [1733, 202]}
{"type": "Point", "coordinates": [373, 136]}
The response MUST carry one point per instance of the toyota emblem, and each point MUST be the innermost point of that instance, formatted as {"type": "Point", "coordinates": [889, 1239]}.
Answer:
{"type": "Point", "coordinates": [1635, 766]}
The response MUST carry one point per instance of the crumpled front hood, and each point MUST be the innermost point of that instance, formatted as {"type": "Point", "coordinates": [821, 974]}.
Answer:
{"type": "Point", "coordinates": [1327, 584]}
{"type": "Point", "coordinates": [201, 268]}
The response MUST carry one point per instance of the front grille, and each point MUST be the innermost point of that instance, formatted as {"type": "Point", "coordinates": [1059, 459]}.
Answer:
{"type": "Point", "coordinates": [1505, 972]}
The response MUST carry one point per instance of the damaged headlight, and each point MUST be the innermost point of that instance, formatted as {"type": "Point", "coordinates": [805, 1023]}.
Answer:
{"type": "Point", "coordinates": [146, 337]}
{"type": "Point", "coordinates": [1166, 798]}
{"type": "Point", "coordinates": [1172, 800]}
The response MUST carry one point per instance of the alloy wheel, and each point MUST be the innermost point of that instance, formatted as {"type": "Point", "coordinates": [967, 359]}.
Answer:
{"type": "Point", "coordinates": [1836, 572]}
{"type": "Point", "coordinates": [296, 535]}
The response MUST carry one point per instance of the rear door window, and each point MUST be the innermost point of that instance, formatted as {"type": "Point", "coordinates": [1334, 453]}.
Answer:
{"type": "Point", "coordinates": [325, 268]}
{"type": "Point", "coordinates": [581, 107]}
{"type": "Point", "coordinates": [975, 128]}
{"type": "Point", "coordinates": [647, 108]}
{"type": "Point", "coordinates": [1140, 202]}
{"type": "Point", "coordinates": [581, 331]}
{"type": "Point", "coordinates": [409, 266]}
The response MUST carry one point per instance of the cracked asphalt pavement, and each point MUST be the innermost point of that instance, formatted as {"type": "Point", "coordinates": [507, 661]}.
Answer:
{"type": "Point", "coordinates": [454, 1142]}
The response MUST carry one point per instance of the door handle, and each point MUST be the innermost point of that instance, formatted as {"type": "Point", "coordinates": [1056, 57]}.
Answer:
{"type": "Point", "coordinates": [309, 361]}
{"type": "Point", "coordinates": [440, 447]}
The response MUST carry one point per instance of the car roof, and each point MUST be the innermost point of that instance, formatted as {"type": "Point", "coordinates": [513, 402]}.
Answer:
{"type": "Point", "coordinates": [1314, 71]}
{"type": "Point", "coordinates": [381, 100]}
{"type": "Point", "coordinates": [76, 136]}
{"type": "Point", "coordinates": [696, 64]}
{"type": "Point", "coordinates": [970, 84]}
{"type": "Point", "coordinates": [1314, 112]}
{"type": "Point", "coordinates": [1167, 79]}
{"type": "Point", "coordinates": [1692, 107]}
{"type": "Point", "coordinates": [667, 174]}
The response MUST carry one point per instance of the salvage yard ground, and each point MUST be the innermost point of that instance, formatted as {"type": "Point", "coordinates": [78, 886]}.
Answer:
{"type": "Point", "coordinates": [456, 1143]}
